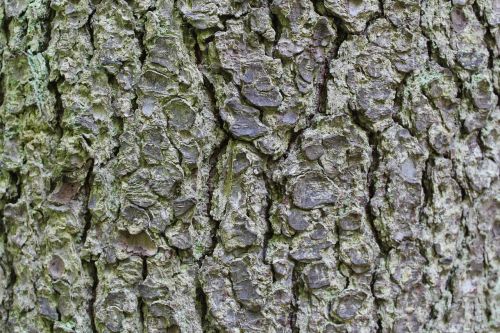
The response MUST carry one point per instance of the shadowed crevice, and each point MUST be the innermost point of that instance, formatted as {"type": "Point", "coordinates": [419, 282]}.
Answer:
{"type": "Point", "coordinates": [92, 270]}
{"type": "Point", "coordinates": [87, 188]}
{"type": "Point", "coordinates": [202, 305]}
{"type": "Point", "coordinates": [141, 304]}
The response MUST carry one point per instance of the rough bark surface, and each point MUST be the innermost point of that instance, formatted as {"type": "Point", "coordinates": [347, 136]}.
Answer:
{"type": "Point", "coordinates": [249, 166]}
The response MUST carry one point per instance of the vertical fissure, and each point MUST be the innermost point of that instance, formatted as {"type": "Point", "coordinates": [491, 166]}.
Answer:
{"type": "Point", "coordinates": [269, 230]}
{"type": "Point", "coordinates": [95, 283]}
{"type": "Point", "coordinates": [90, 28]}
{"type": "Point", "coordinates": [140, 304]}
{"type": "Point", "coordinates": [295, 297]}
{"type": "Point", "coordinates": [217, 153]}
{"type": "Point", "coordinates": [375, 300]}
{"type": "Point", "coordinates": [58, 107]}
{"type": "Point", "coordinates": [87, 188]}
{"type": "Point", "coordinates": [202, 306]}
{"type": "Point", "coordinates": [373, 141]}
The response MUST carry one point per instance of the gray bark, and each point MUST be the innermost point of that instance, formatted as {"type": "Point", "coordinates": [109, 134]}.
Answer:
{"type": "Point", "coordinates": [249, 166]}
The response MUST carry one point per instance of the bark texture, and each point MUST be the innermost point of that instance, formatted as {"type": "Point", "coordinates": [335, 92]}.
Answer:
{"type": "Point", "coordinates": [249, 166]}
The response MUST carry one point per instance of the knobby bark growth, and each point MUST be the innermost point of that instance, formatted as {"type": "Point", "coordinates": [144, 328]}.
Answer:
{"type": "Point", "coordinates": [249, 166]}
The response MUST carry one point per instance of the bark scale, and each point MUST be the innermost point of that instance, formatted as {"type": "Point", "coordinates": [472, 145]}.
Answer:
{"type": "Point", "coordinates": [249, 166]}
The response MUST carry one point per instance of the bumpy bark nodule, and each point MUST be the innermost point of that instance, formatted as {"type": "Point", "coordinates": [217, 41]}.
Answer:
{"type": "Point", "coordinates": [249, 166]}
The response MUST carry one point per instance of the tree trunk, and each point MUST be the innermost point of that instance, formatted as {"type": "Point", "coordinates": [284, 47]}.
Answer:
{"type": "Point", "coordinates": [249, 166]}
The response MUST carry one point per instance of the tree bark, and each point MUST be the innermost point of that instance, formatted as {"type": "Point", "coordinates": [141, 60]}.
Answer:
{"type": "Point", "coordinates": [249, 166]}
